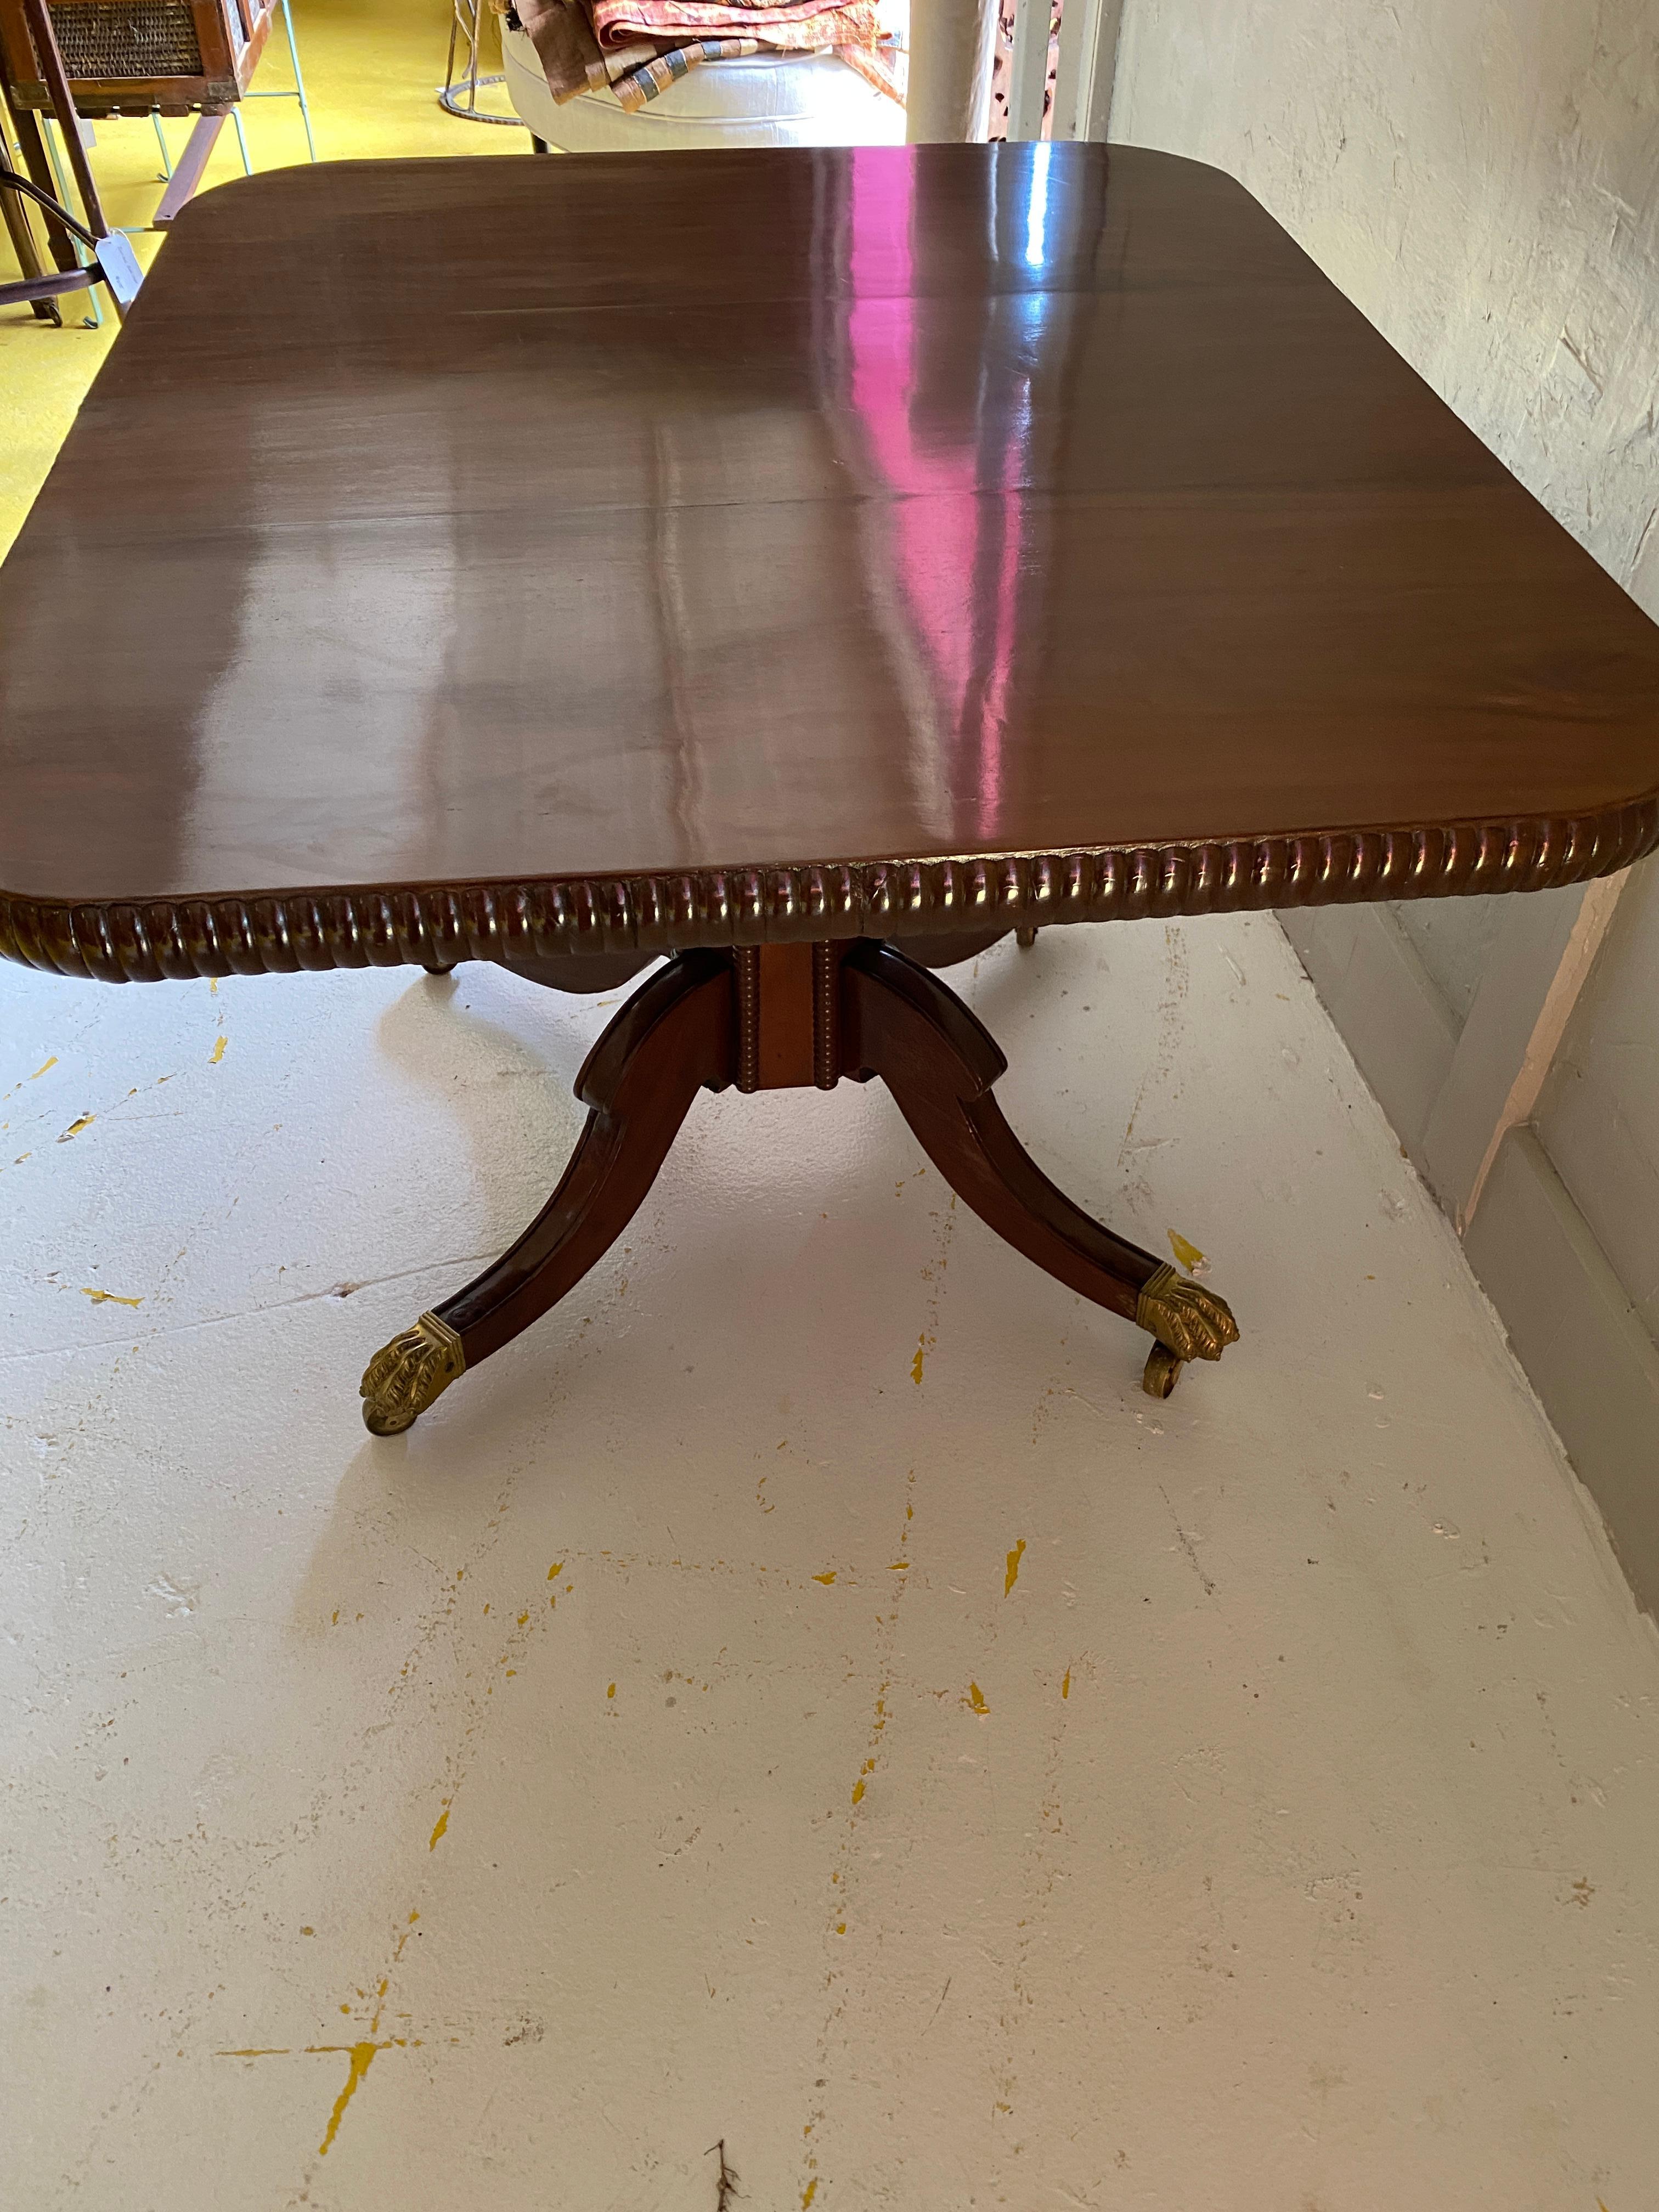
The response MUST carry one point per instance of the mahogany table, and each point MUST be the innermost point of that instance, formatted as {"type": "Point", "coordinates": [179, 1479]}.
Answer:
{"type": "Point", "coordinates": [810, 565]}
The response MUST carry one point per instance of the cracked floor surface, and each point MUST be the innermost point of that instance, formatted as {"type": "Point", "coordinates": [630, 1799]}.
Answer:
{"type": "Point", "coordinates": [801, 1696]}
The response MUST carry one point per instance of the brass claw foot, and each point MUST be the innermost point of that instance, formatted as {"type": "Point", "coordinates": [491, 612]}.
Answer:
{"type": "Point", "coordinates": [1188, 1321]}
{"type": "Point", "coordinates": [405, 1376]}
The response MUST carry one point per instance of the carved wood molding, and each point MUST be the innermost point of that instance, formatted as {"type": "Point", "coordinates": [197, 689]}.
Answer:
{"type": "Point", "coordinates": [389, 927]}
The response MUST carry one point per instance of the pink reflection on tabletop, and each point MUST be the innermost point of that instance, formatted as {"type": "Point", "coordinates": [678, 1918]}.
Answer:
{"type": "Point", "coordinates": [955, 525]}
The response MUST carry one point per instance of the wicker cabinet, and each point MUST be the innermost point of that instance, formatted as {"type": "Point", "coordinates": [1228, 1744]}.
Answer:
{"type": "Point", "coordinates": [127, 56]}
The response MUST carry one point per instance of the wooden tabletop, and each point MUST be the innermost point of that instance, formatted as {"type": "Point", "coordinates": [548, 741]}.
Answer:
{"type": "Point", "coordinates": [666, 548]}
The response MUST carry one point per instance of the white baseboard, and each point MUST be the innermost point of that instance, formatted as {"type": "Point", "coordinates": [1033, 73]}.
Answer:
{"type": "Point", "coordinates": [1392, 1018]}
{"type": "Point", "coordinates": [1570, 1319]}
{"type": "Point", "coordinates": [1580, 1341]}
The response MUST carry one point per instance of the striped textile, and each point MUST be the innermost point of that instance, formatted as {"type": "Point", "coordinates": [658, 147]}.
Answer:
{"type": "Point", "coordinates": [609, 67]}
{"type": "Point", "coordinates": [640, 47]}
{"type": "Point", "coordinates": [644, 83]}
{"type": "Point", "coordinates": [797, 25]}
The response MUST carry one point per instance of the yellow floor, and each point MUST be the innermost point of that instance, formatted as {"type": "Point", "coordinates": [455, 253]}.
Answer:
{"type": "Point", "coordinates": [371, 67]}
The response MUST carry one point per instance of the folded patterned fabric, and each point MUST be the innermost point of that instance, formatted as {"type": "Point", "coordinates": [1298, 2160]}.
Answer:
{"type": "Point", "coordinates": [637, 85]}
{"type": "Point", "coordinates": [803, 25]}
{"type": "Point", "coordinates": [562, 35]}
{"type": "Point", "coordinates": [640, 47]}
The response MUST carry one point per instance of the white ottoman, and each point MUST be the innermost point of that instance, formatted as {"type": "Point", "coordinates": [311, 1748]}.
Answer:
{"type": "Point", "coordinates": [764, 100]}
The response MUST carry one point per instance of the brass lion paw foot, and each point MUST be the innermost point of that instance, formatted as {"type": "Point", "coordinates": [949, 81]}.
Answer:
{"type": "Point", "coordinates": [1188, 1321]}
{"type": "Point", "coordinates": [405, 1376]}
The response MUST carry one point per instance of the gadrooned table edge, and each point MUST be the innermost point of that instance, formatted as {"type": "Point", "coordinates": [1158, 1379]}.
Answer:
{"type": "Point", "coordinates": [390, 925]}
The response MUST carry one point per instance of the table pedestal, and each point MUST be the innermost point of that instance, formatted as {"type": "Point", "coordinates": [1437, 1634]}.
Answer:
{"type": "Point", "coordinates": [780, 1017]}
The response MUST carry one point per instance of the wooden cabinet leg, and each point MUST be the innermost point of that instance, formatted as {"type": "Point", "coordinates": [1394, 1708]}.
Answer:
{"type": "Point", "coordinates": [14, 212]}
{"type": "Point", "coordinates": [31, 143]}
{"type": "Point", "coordinates": [939, 1063]}
{"type": "Point", "coordinates": [674, 1037]}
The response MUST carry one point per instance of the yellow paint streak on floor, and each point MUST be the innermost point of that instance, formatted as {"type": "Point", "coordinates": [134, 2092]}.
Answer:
{"type": "Point", "coordinates": [1066, 1684]}
{"type": "Point", "coordinates": [443, 1823]}
{"type": "Point", "coordinates": [975, 1698]}
{"type": "Point", "coordinates": [40, 1070]}
{"type": "Point", "coordinates": [1014, 1558]}
{"type": "Point", "coordinates": [825, 1579]}
{"type": "Point", "coordinates": [917, 1363]}
{"type": "Point", "coordinates": [108, 1298]}
{"type": "Point", "coordinates": [362, 2058]}
{"type": "Point", "coordinates": [218, 1053]}
{"type": "Point", "coordinates": [76, 1128]}
{"type": "Point", "coordinates": [809, 2193]}
{"type": "Point", "coordinates": [1188, 1255]}
{"type": "Point", "coordinates": [362, 2055]}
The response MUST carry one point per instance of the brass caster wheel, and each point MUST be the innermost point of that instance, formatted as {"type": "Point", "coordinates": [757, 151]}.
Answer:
{"type": "Point", "coordinates": [1163, 1371]}
{"type": "Point", "coordinates": [405, 1376]}
{"type": "Point", "coordinates": [438, 968]}
{"type": "Point", "coordinates": [1025, 937]}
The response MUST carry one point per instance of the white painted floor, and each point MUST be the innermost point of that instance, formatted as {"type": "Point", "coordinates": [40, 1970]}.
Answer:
{"type": "Point", "coordinates": [803, 1694]}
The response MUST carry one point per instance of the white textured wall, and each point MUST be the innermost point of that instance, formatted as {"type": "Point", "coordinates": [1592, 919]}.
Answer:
{"type": "Point", "coordinates": [1482, 178]}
